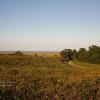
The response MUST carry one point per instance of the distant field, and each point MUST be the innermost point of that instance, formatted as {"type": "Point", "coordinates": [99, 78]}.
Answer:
{"type": "Point", "coordinates": [40, 53]}
{"type": "Point", "coordinates": [30, 77]}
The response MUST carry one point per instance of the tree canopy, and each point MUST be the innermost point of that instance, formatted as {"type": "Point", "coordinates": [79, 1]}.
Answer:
{"type": "Point", "coordinates": [67, 54]}
{"type": "Point", "coordinates": [18, 53]}
{"type": "Point", "coordinates": [91, 55]}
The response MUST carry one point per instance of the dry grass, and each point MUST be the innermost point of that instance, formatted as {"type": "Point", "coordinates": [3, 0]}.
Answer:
{"type": "Point", "coordinates": [47, 78]}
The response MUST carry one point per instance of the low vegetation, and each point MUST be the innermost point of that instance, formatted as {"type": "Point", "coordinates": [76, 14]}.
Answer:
{"type": "Point", "coordinates": [37, 77]}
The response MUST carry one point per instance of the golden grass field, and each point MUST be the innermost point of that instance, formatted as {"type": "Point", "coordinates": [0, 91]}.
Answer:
{"type": "Point", "coordinates": [46, 77]}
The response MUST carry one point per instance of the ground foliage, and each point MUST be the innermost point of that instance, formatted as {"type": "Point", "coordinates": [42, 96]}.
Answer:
{"type": "Point", "coordinates": [46, 78]}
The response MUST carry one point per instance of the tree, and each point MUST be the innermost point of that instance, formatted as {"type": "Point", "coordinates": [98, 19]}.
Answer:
{"type": "Point", "coordinates": [82, 53]}
{"type": "Point", "coordinates": [67, 54]}
{"type": "Point", "coordinates": [75, 53]}
{"type": "Point", "coordinates": [91, 55]}
{"type": "Point", "coordinates": [18, 53]}
{"type": "Point", "coordinates": [35, 55]}
{"type": "Point", "coordinates": [93, 47]}
{"type": "Point", "coordinates": [94, 54]}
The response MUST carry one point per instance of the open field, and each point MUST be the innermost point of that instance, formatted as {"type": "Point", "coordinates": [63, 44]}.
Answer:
{"type": "Point", "coordinates": [40, 53]}
{"type": "Point", "coordinates": [49, 49]}
{"type": "Point", "coordinates": [28, 77]}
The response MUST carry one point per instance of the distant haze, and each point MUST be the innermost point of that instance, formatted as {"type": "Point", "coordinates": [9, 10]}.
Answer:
{"type": "Point", "coordinates": [49, 25]}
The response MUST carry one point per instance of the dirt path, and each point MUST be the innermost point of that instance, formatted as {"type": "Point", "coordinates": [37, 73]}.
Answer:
{"type": "Point", "coordinates": [74, 65]}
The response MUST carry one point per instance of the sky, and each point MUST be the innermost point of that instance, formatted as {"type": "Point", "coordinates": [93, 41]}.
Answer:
{"type": "Point", "coordinates": [49, 25]}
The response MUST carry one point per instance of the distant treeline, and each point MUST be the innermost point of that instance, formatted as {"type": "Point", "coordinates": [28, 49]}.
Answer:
{"type": "Point", "coordinates": [92, 55]}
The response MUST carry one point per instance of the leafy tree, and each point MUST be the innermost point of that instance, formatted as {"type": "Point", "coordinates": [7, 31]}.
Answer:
{"type": "Point", "coordinates": [35, 54]}
{"type": "Point", "coordinates": [67, 54]}
{"type": "Point", "coordinates": [75, 53]}
{"type": "Point", "coordinates": [18, 53]}
{"type": "Point", "coordinates": [93, 47]}
{"type": "Point", "coordinates": [82, 53]}
{"type": "Point", "coordinates": [91, 55]}
{"type": "Point", "coordinates": [94, 54]}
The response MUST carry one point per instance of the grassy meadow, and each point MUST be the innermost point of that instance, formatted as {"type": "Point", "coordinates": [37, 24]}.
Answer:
{"type": "Point", "coordinates": [47, 77]}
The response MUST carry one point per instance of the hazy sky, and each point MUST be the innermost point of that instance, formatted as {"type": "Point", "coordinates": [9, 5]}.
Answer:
{"type": "Point", "coordinates": [49, 24]}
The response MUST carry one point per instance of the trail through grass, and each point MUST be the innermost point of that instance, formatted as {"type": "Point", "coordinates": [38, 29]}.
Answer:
{"type": "Point", "coordinates": [87, 66]}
